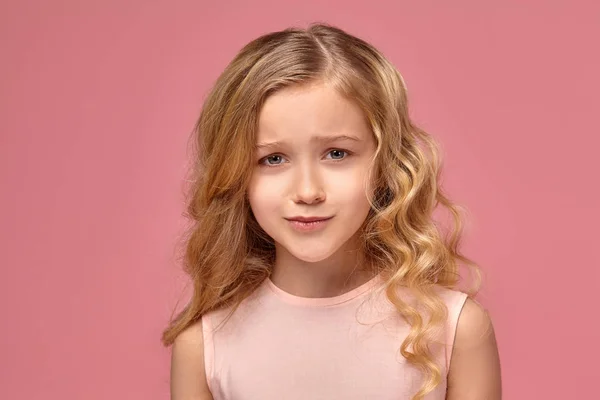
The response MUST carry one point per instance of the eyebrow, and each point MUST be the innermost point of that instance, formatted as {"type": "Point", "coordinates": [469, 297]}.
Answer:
{"type": "Point", "coordinates": [317, 139]}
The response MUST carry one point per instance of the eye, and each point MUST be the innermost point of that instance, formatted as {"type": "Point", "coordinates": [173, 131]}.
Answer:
{"type": "Point", "coordinates": [272, 160]}
{"type": "Point", "coordinates": [337, 154]}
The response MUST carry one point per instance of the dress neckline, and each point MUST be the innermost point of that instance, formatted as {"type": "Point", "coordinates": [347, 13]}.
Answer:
{"type": "Point", "coordinates": [323, 301]}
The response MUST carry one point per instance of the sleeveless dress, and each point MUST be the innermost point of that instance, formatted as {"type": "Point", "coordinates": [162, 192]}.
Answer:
{"type": "Point", "coordinates": [280, 346]}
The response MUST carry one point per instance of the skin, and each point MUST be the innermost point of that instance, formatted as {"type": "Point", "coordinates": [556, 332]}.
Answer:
{"type": "Point", "coordinates": [314, 161]}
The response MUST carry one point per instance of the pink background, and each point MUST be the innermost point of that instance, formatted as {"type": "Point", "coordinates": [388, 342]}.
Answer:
{"type": "Point", "coordinates": [96, 103]}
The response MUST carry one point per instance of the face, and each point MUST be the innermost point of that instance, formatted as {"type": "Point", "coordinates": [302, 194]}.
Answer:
{"type": "Point", "coordinates": [312, 161]}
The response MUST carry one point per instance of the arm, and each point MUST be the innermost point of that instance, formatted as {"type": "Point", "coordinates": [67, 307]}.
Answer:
{"type": "Point", "coordinates": [474, 372]}
{"type": "Point", "coordinates": [188, 377]}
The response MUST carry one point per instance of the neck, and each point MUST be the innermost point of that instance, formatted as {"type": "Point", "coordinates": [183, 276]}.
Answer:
{"type": "Point", "coordinates": [343, 271]}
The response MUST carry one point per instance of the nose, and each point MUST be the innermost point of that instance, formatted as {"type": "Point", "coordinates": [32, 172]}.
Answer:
{"type": "Point", "coordinates": [308, 186]}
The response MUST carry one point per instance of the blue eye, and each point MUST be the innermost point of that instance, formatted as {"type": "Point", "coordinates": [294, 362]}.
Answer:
{"type": "Point", "coordinates": [338, 154]}
{"type": "Point", "coordinates": [274, 159]}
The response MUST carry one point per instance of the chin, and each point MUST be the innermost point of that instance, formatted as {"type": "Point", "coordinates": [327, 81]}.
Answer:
{"type": "Point", "coordinates": [312, 254]}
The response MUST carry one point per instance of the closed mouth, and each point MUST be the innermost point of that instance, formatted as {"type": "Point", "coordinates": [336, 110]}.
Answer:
{"type": "Point", "coordinates": [308, 219]}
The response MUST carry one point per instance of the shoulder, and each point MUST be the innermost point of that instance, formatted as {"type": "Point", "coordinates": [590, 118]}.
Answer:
{"type": "Point", "coordinates": [466, 316]}
{"type": "Point", "coordinates": [474, 324]}
{"type": "Point", "coordinates": [191, 336]}
{"type": "Point", "coordinates": [451, 297]}
{"type": "Point", "coordinates": [187, 365]}
{"type": "Point", "coordinates": [475, 364]}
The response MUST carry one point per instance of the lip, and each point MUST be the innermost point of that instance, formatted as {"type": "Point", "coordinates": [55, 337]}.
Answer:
{"type": "Point", "coordinates": [308, 219]}
{"type": "Point", "coordinates": [308, 224]}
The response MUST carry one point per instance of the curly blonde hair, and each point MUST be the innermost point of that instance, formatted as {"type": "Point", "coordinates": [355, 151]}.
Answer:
{"type": "Point", "coordinates": [226, 253]}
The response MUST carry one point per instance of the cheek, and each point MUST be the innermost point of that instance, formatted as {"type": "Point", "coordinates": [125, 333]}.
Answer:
{"type": "Point", "coordinates": [263, 196]}
{"type": "Point", "coordinates": [352, 189]}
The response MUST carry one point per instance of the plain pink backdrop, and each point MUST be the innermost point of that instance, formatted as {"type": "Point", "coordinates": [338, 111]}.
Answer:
{"type": "Point", "coordinates": [96, 103]}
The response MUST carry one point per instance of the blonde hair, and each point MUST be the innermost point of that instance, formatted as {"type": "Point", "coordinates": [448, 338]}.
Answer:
{"type": "Point", "coordinates": [227, 255]}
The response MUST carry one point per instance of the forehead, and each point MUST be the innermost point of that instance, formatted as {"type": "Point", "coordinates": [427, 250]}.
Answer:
{"type": "Point", "coordinates": [304, 111]}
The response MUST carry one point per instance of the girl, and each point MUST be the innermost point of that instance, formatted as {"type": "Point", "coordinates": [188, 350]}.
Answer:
{"type": "Point", "coordinates": [318, 269]}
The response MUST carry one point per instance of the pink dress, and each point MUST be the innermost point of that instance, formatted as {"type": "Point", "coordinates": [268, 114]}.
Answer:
{"type": "Point", "coordinates": [280, 346]}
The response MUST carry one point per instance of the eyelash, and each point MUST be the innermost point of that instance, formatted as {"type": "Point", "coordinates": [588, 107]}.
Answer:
{"type": "Point", "coordinates": [263, 160]}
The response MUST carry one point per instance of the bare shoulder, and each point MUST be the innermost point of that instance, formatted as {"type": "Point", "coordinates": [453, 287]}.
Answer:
{"type": "Point", "coordinates": [475, 363]}
{"type": "Point", "coordinates": [474, 325]}
{"type": "Point", "coordinates": [188, 375]}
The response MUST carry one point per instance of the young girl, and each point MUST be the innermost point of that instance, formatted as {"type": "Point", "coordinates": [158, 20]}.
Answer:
{"type": "Point", "coordinates": [318, 269]}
